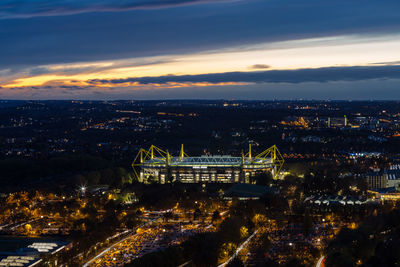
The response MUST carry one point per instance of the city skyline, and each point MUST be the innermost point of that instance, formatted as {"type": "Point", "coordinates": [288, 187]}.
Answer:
{"type": "Point", "coordinates": [246, 183]}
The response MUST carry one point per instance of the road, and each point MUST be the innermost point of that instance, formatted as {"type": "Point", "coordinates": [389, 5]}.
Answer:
{"type": "Point", "coordinates": [321, 262]}
{"type": "Point", "coordinates": [238, 249]}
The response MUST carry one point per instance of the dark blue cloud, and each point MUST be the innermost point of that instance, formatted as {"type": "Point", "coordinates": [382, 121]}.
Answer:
{"type": "Point", "coordinates": [185, 29]}
{"type": "Point", "coordinates": [34, 8]}
{"type": "Point", "coordinates": [355, 73]}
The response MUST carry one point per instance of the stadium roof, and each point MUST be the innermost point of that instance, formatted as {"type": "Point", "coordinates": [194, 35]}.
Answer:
{"type": "Point", "coordinates": [223, 160]}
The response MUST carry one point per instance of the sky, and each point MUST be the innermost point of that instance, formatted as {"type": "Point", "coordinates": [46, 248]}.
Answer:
{"type": "Point", "coordinates": [200, 49]}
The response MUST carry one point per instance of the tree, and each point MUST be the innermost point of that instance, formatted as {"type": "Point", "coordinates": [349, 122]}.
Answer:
{"type": "Point", "coordinates": [204, 249]}
{"type": "Point", "coordinates": [236, 262]}
{"type": "Point", "coordinates": [93, 177]}
{"type": "Point", "coordinates": [244, 232]}
{"type": "Point", "coordinates": [167, 216]}
{"type": "Point", "coordinates": [215, 216]}
{"type": "Point", "coordinates": [79, 179]}
{"type": "Point", "coordinates": [107, 176]}
{"type": "Point", "coordinates": [339, 259]}
{"type": "Point", "coordinates": [262, 245]}
{"type": "Point", "coordinates": [230, 230]}
{"type": "Point", "coordinates": [263, 178]}
{"type": "Point", "coordinates": [294, 262]}
{"type": "Point", "coordinates": [259, 220]}
{"type": "Point", "coordinates": [196, 214]}
{"type": "Point", "coordinates": [132, 222]}
{"type": "Point", "coordinates": [307, 222]}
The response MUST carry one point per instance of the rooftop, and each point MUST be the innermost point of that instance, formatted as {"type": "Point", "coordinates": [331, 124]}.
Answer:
{"type": "Point", "coordinates": [217, 160]}
{"type": "Point", "coordinates": [23, 261]}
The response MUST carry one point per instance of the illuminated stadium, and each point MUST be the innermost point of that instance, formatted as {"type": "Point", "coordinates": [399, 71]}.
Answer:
{"type": "Point", "coordinates": [156, 165]}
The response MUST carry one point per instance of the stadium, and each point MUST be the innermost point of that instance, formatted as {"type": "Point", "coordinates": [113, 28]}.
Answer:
{"type": "Point", "coordinates": [158, 166]}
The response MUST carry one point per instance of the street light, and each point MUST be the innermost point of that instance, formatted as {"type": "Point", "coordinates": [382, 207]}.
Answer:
{"type": "Point", "coordinates": [81, 190]}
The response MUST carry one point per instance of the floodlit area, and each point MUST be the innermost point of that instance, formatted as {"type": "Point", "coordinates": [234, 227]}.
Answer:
{"type": "Point", "coordinates": [157, 165]}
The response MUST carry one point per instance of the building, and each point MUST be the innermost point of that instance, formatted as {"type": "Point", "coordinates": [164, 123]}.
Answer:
{"type": "Point", "coordinates": [31, 255]}
{"type": "Point", "coordinates": [393, 178]}
{"type": "Point", "coordinates": [385, 179]}
{"type": "Point", "coordinates": [24, 261]}
{"type": "Point", "coordinates": [376, 180]}
{"type": "Point", "coordinates": [156, 165]}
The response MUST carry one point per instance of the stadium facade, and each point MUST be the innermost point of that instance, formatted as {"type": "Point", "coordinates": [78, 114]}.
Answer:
{"type": "Point", "coordinates": [156, 165]}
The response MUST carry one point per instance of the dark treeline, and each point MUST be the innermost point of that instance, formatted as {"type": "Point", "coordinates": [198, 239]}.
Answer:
{"type": "Point", "coordinates": [69, 171]}
{"type": "Point", "coordinates": [375, 243]}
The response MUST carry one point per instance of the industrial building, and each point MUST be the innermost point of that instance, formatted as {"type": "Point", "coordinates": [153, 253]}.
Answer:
{"type": "Point", "coordinates": [156, 165]}
{"type": "Point", "coordinates": [384, 179]}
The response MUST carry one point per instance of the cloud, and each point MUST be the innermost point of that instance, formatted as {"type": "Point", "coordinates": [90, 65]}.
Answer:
{"type": "Point", "coordinates": [355, 90]}
{"type": "Point", "coordinates": [259, 66]}
{"type": "Point", "coordinates": [98, 36]}
{"type": "Point", "coordinates": [387, 63]}
{"type": "Point", "coordinates": [354, 73]}
{"type": "Point", "coordinates": [38, 8]}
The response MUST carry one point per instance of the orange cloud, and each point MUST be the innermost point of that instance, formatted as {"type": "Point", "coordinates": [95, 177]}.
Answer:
{"type": "Point", "coordinates": [289, 55]}
{"type": "Point", "coordinates": [75, 84]}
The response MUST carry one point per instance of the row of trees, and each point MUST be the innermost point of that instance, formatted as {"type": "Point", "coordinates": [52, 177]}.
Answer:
{"type": "Point", "coordinates": [20, 173]}
{"type": "Point", "coordinates": [115, 177]}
